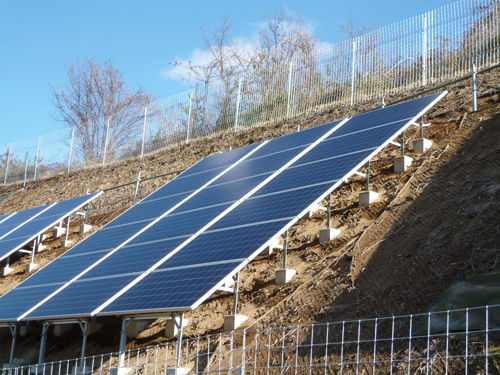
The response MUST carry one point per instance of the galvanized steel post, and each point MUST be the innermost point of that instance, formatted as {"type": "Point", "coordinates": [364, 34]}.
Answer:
{"type": "Point", "coordinates": [144, 130]}
{"type": "Point", "coordinates": [37, 157]}
{"type": "Point", "coordinates": [424, 49]}
{"type": "Point", "coordinates": [105, 144]}
{"type": "Point", "coordinates": [289, 90]}
{"type": "Point", "coordinates": [71, 148]}
{"type": "Point", "coordinates": [474, 88]}
{"type": "Point", "coordinates": [238, 105]}
{"type": "Point", "coordinates": [353, 69]}
{"type": "Point", "coordinates": [189, 117]}
{"type": "Point", "coordinates": [7, 166]}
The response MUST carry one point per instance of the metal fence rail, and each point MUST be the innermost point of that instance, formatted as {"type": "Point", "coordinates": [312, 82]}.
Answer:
{"type": "Point", "coordinates": [413, 54]}
{"type": "Point", "coordinates": [465, 341]}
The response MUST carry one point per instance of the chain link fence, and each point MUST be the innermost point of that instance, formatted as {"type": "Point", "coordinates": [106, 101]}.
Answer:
{"type": "Point", "coordinates": [465, 341]}
{"type": "Point", "coordinates": [404, 57]}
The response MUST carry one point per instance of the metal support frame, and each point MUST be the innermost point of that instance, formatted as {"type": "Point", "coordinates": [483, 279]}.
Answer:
{"type": "Point", "coordinates": [43, 343]}
{"type": "Point", "coordinates": [84, 325]}
{"type": "Point", "coordinates": [368, 176]}
{"type": "Point", "coordinates": [13, 331]}
{"type": "Point", "coordinates": [285, 248]}
{"type": "Point", "coordinates": [68, 220]}
{"type": "Point", "coordinates": [403, 143]}
{"type": "Point", "coordinates": [236, 279]}
{"type": "Point", "coordinates": [123, 341]}
{"type": "Point", "coordinates": [179, 339]}
{"type": "Point", "coordinates": [328, 211]}
{"type": "Point", "coordinates": [137, 186]}
{"type": "Point", "coordinates": [421, 127]}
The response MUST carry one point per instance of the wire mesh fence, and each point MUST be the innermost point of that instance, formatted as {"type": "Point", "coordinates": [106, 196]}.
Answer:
{"type": "Point", "coordinates": [465, 341]}
{"type": "Point", "coordinates": [406, 56]}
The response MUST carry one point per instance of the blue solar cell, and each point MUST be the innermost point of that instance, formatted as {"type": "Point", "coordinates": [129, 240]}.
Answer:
{"type": "Point", "coordinates": [4, 218]}
{"type": "Point", "coordinates": [18, 219]}
{"type": "Point", "coordinates": [172, 289]}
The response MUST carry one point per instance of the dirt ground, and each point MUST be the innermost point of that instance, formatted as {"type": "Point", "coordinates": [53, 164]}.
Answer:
{"type": "Point", "coordinates": [432, 225]}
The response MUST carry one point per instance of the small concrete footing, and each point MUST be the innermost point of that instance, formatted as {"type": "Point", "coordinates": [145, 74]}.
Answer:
{"type": "Point", "coordinates": [176, 371]}
{"type": "Point", "coordinates": [61, 329]}
{"type": "Point", "coordinates": [232, 322]}
{"type": "Point", "coordinates": [65, 243]}
{"type": "Point", "coordinates": [283, 276]}
{"type": "Point", "coordinates": [23, 330]}
{"type": "Point", "coordinates": [274, 244]}
{"type": "Point", "coordinates": [310, 213]}
{"type": "Point", "coordinates": [4, 271]}
{"type": "Point", "coordinates": [58, 232]}
{"type": "Point", "coordinates": [171, 329]}
{"type": "Point", "coordinates": [328, 234]}
{"type": "Point", "coordinates": [84, 228]}
{"type": "Point", "coordinates": [421, 145]}
{"type": "Point", "coordinates": [41, 248]}
{"type": "Point", "coordinates": [401, 163]}
{"type": "Point", "coordinates": [367, 197]}
{"type": "Point", "coordinates": [30, 267]}
{"type": "Point", "coordinates": [119, 370]}
{"type": "Point", "coordinates": [135, 327]}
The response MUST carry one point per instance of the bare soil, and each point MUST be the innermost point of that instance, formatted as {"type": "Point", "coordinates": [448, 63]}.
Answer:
{"type": "Point", "coordinates": [432, 225]}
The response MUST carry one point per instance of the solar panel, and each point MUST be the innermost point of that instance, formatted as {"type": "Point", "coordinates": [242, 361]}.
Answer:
{"type": "Point", "coordinates": [40, 220]}
{"type": "Point", "coordinates": [169, 234]}
{"type": "Point", "coordinates": [183, 281]}
{"type": "Point", "coordinates": [25, 226]}
{"type": "Point", "coordinates": [189, 250]}
{"type": "Point", "coordinates": [101, 244]}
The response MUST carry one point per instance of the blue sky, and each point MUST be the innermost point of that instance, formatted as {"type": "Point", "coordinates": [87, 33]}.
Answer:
{"type": "Point", "coordinates": [141, 38]}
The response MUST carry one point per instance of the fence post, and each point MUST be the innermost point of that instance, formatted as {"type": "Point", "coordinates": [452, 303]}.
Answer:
{"type": "Point", "coordinates": [7, 166]}
{"type": "Point", "coordinates": [474, 88]}
{"type": "Point", "coordinates": [105, 144]}
{"type": "Point", "coordinates": [71, 148]}
{"type": "Point", "coordinates": [289, 89]}
{"type": "Point", "coordinates": [238, 105]}
{"type": "Point", "coordinates": [25, 168]}
{"type": "Point", "coordinates": [37, 157]}
{"type": "Point", "coordinates": [353, 69]}
{"type": "Point", "coordinates": [189, 117]}
{"type": "Point", "coordinates": [424, 49]}
{"type": "Point", "coordinates": [144, 130]}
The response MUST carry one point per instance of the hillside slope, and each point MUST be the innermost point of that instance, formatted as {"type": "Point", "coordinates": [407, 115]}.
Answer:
{"type": "Point", "coordinates": [432, 225]}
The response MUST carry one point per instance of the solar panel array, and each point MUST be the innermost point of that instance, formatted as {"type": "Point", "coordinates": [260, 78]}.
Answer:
{"type": "Point", "coordinates": [176, 247]}
{"type": "Point", "coordinates": [20, 228]}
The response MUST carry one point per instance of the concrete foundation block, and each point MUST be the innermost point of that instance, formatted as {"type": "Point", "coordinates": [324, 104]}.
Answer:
{"type": "Point", "coordinates": [310, 212]}
{"type": "Point", "coordinates": [171, 327]}
{"type": "Point", "coordinates": [421, 145]}
{"type": "Point", "coordinates": [4, 271]}
{"type": "Point", "coordinates": [232, 322]}
{"type": "Point", "coordinates": [65, 243]}
{"type": "Point", "coordinates": [135, 327]}
{"type": "Point", "coordinates": [61, 329]}
{"type": "Point", "coordinates": [176, 371]}
{"type": "Point", "coordinates": [23, 330]}
{"type": "Point", "coordinates": [84, 228]}
{"type": "Point", "coordinates": [41, 248]}
{"type": "Point", "coordinates": [327, 234]}
{"type": "Point", "coordinates": [228, 283]}
{"type": "Point", "coordinates": [275, 244]}
{"type": "Point", "coordinates": [283, 276]}
{"type": "Point", "coordinates": [402, 163]}
{"type": "Point", "coordinates": [58, 232]}
{"type": "Point", "coordinates": [119, 370]}
{"type": "Point", "coordinates": [30, 267]}
{"type": "Point", "coordinates": [367, 197]}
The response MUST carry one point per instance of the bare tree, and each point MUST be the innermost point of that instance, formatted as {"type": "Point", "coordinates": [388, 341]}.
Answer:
{"type": "Point", "coordinates": [93, 94]}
